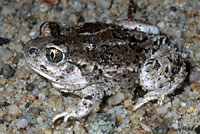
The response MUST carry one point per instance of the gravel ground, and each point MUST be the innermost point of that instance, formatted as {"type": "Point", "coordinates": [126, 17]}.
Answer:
{"type": "Point", "coordinates": [28, 102]}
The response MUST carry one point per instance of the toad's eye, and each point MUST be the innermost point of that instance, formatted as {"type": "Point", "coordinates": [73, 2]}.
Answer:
{"type": "Point", "coordinates": [54, 55]}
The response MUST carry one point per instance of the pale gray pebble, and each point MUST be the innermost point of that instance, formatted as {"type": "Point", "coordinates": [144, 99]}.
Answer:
{"type": "Point", "coordinates": [91, 6]}
{"type": "Point", "coordinates": [5, 54]}
{"type": "Point", "coordinates": [1, 88]}
{"type": "Point", "coordinates": [13, 109]}
{"type": "Point", "coordinates": [175, 115]}
{"type": "Point", "coordinates": [7, 10]}
{"type": "Point", "coordinates": [42, 96]}
{"type": "Point", "coordinates": [21, 123]}
{"type": "Point", "coordinates": [36, 91]}
{"type": "Point", "coordinates": [102, 123]}
{"type": "Point", "coordinates": [176, 102]}
{"type": "Point", "coordinates": [161, 25]}
{"type": "Point", "coordinates": [76, 5]}
{"type": "Point", "coordinates": [105, 4]}
{"type": "Point", "coordinates": [33, 33]}
{"type": "Point", "coordinates": [10, 88]}
{"type": "Point", "coordinates": [175, 125]}
{"type": "Point", "coordinates": [39, 120]}
{"type": "Point", "coordinates": [7, 71]}
{"type": "Point", "coordinates": [116, 99]}
{"type": "Point", "coordinates": [161, 110]}
{"type": "Point", "coordinates": [44, 7]}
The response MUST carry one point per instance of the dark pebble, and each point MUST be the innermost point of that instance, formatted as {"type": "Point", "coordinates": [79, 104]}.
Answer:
{"type": "Point", "coordinates": [173, 9]}
{"type": "Point", "coordinates": [16, 59]}
{"type": "Point", "coordinates": [7, 71]}
{"type": "Point", "coordinates": [2, 121]}
{"type": "Point", "coordinates": [4, 104]}
{"type": "Point", "coordinates": [197, 129]}
{"type": "Point", "coordinates": [4, 41]}
{"type": "Point", "coordinates": [29, 87]}
{"type": "Point", "coordinates": [27, 105]}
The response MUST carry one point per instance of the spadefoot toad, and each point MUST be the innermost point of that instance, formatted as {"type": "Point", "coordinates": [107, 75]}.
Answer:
{"type": "Point", "coordinates": [98, 59]}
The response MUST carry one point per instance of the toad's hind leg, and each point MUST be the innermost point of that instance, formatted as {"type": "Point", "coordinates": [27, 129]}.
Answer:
{"type": "Point", "coordinates": [92, 97]}
{"type": "Point", "coordinates": [161, 74]}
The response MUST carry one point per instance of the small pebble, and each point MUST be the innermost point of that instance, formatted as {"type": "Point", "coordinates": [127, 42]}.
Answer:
{"type": "Point", "coordinates": [29, 87]}
{"type": "Point", "coordinates": [128, 103]}
{"type": "Point", "coordinates": [42, 96]}
{"type": "Point", "coordinates": [183, 104]}
{"type": "Point", "coordinates": [176, 102]}
{"type": "Point", "coordinates": [21, 123]}
{"type": "Point", "coordinates": [4, 41]}
{"type": "Point", "coordinates": [195, 86]}
{"type": "Point", "coordinates": [13, 109]}
{"type": "Point", "coordinates": [105, 4]}
{"type": "Point", "coordinates": [39, 120]}
{"type": "Point", "coordinates": [48, 131]}
{"type": "Point", "coordinates": [7, 71]}
{"type": "Point", "coordinates": [161, 25]}
{"type": "Point", "coordinates": [2, 121]}
{"type": "Point", "coordinates": [27, 105]}
{"type": "Point", "coordinates": [161, 110]}
{"type": "Point", "coordinates": [76, 5]}
{"type": "Point", "coordinates": [10, 88]}
{"type": "Point", "coordinates": [190, 109]}
{"type": "Point", "coordinates": [175, 126]}
{"type": "Point", "coordinates": [25, 39]}
{"type": "Point", "coordinates": [91, 6]}
{"type": "Point", "coordinates": [7, 10]}
{"type": "Point", "coordinates": [33, 33]}
{"type": "Point", "coordinates": [116, 99]}
{"type": "Point", "coordinates": [23, 73]}
{"type": "Point", "coordinates": [145, 127]}
{"type": "Point", "coordinates": [175, 115]}
{"type": "Point", "coordinates": [5, 54]}
{"type": "Point", "coordinates": [44, 7]}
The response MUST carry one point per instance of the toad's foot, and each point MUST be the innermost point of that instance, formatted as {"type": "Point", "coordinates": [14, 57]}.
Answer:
{"type": "Point", "coordinates": [148, 97]}
{"type": "Point", "coordinates": [92, 97]}
{"type": "Point", "coordinates": [153, 95]}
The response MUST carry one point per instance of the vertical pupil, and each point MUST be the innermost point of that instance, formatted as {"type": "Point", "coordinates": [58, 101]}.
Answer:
{"type": "Point", "coordinates": [52, 55]}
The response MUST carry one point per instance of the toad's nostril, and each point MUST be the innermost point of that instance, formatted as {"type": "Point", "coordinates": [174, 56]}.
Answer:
{"type": "Point", "coordinates": [33, 50]}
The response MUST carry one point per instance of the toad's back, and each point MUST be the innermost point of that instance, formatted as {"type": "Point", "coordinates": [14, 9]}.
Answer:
{"type": "Point", "coordinates": [107, 52]}
{"type": "Point", "coordinates": [110, 45]}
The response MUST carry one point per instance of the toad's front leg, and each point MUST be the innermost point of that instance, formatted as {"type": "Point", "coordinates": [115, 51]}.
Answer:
{"type": "Point", "coordinates": [92, 98]}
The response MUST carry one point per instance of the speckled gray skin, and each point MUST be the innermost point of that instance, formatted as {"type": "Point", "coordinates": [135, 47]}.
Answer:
{"type": "Point", "coordinates": [97, 59]}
